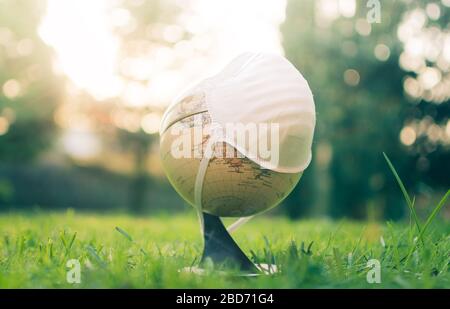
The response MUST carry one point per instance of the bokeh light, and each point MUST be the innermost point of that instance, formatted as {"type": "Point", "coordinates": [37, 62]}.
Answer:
{"type": "Point", "coordinates": [408, 136]}
{"type": "Point", "coordinates": [11, 88]}
{"type": "Point", "coordinates": [351, 77]}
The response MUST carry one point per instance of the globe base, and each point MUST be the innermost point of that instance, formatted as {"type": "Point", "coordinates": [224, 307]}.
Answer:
{"type": "Point", "coordinates": [264, 269]}
{"type": "Point", "coordinates": [221, 249]}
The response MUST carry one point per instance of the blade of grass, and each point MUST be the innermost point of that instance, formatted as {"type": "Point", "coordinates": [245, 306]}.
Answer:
{"type": "Point", "coordinates": [63, 239]}
{"type": "Point", "coordinates": [435, 212]}
{"type": "Point", "coordinates": [93, 252]}
{"type": "Point", "coordinates": [405, 194]}
{"type": "Point", "coordinates": [429, 220]}
{"type": "Point", "coordinates": [332, 236]}
{"type": "Point", "coordinates": [358, 241]}
{"type": "Point", "coordinates": [125, 234]}
{"type": "Point", "coordinates": [72, 240]}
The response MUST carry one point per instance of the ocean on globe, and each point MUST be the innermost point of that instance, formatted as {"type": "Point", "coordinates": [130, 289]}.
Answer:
{"type": "Point", "coordinates": [233, 186]}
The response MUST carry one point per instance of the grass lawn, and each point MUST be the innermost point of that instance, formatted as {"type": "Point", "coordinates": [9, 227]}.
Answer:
{"type": "Point", "coordinates": [35, 247]}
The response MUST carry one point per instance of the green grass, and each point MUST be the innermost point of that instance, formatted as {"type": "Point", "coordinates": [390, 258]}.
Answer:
{"type": "Point", "coordinates": [119, 251]}
{"type": "Point", "coordinates": [127, 252]}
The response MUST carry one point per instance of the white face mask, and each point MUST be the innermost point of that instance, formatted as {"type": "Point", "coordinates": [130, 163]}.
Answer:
{"type": "Point", "coordinates": [267, 92]}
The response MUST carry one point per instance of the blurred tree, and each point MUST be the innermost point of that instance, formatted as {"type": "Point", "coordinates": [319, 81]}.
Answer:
{"type": "Point", "coordinates": [362, 110]}
{"type": "Point", "coordinates": [143, 35]}
{"type": "Point", "coordinates": [127, 122]}
{"type": "Point", "coordinates": [29, 91]}
{"type": "Point", "coordinates": [139, 144]}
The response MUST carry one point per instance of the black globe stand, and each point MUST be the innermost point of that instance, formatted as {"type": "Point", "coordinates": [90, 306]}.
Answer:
{"type": "Point", "coordinates": [221, 249]}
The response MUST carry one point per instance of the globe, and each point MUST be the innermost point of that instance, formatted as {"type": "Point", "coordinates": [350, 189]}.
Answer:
{"type": "Point", "coordinates": [233, 186]}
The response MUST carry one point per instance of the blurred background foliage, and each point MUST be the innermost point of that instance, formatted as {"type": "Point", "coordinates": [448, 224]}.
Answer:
{"type": "Point", "coordinates": [83, 87]}
{"type": "Point", "coordinates": [378, 87]}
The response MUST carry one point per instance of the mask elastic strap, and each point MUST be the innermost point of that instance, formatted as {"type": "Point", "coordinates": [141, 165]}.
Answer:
{"type": "Point", "coordinates": [201, 177]}
{"type": "Point", "coordinates": [238, 223]}
{"type": "Point", "coordinates": [199, 187]}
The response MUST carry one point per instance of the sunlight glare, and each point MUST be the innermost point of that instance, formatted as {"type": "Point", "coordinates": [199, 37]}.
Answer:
{"type": "Point", "coordinates": [85, 46]}
{"type": "Point", "coordinates": [88, 51]}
